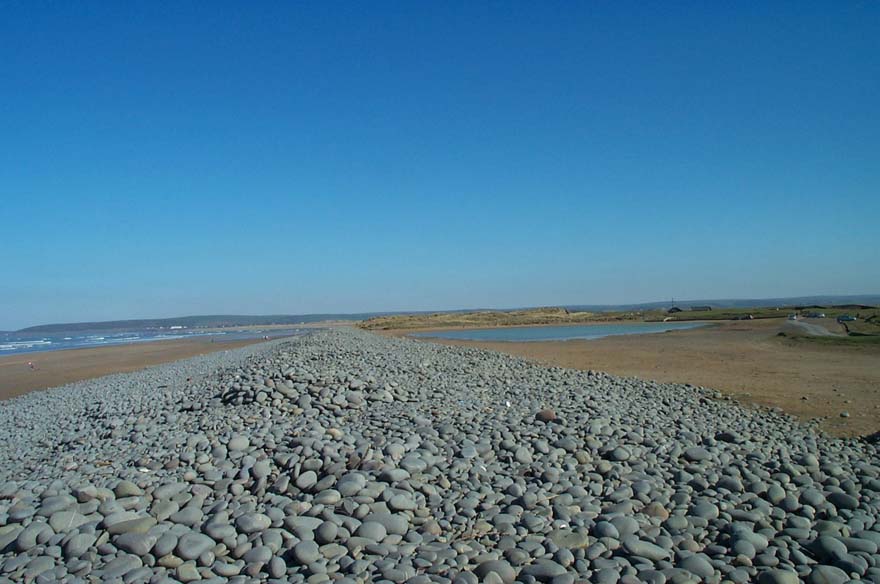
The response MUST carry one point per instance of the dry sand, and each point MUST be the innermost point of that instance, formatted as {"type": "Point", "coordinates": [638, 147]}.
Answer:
{"type": "Point", "coordinates": [743, 359]}
{"type": "Point", "coordinates": [54, 368]}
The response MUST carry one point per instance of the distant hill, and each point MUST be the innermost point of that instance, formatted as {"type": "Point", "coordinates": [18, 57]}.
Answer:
{"type": "Point", "coordinates": [855, 299]}
{"type": "Point", "coordinates": [225, 320]}
{"type": "Point", "coordinates": [208, 321]}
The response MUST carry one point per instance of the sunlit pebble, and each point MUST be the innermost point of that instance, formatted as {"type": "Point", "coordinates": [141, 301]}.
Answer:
{"type": "Point", "coordinates": [274, 432]}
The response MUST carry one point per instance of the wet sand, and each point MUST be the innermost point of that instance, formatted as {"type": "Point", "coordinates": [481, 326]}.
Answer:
{"type": "Point", "coordinates": [745, 360]}
{"type": "Point", "coordinates": [54, 368]}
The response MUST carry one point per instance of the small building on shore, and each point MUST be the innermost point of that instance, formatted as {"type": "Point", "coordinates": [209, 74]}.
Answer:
{"type": "Point", "coordinates": [673, 310]}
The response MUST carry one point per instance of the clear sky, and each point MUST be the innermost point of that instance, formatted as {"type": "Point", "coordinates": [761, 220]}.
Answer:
{"type": "Point", "coordinates": [162, 159]}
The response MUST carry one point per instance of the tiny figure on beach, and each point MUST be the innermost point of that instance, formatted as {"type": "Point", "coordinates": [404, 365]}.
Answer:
{"type": "Point", "coordinates": [32, 365]}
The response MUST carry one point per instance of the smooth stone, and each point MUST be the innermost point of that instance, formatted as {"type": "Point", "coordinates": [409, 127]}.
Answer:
{"type": "Point", "coordinates": [169, 490]}
{"type": "Point", "coordinates": [260, 554]}
{"type": "Point", "coordinates": [127, 489]}
{"type": "Point", "coordinates": [64, 521]}
{"type": "Point", "coordinates": [698, 566]}
{"type": "Point", "coordinates": [393, 475]}
{"type": "Point", "coordinates": [546, 416]}
{"type": "Point", "coordinates": [78, 544]}
{"type": "Point", "coordinates": [855, 544]}
{"type": "Point", "coordinates": [238, 442]}
{"type": "Point", "coordinates": [188, 516]}
{"type": "Point", "coordinates": [645, 549]}
{"type": "Point", "coordinates": [191, 545]}
{"type": "Point", "coordinates": [828, 548]}
{"type": "Point", "coordinates": [778, 577]}
{"type": "Point", "coordinates": [37, 566]}
{"type": "Point", "coordinates": [696, 454]}
{"type": "Point", "coordinates": [522, 455]}
{"type": "Point", "coordinates": [812, 497]}
{"type": "Point", "coordinates": [328, 497]}
{"type": "Point", "coordinates": [252, 522]}
{"type": "Point", "coordinates": [120, 566]}
{"type": "Point", "coordinates": [393, 523]}
{"type": "Point", "coordinates": [187, 572]}
{"type": "Point", "coordinates": [570, 539]}
{"type": "Point", "coordinates": [543, 570]}
{"type": "Point", "coordinates": [137, 525]}
{"type": "Point", "coordinates": [372, 530]}
{"type": "Point", "coordinates": [163, 509]}
{"type": "Point", "coordinates": [8, 534]}
{"type": "Point", "coordinates": [306, 480]}
{"type": "Point", "coordinates": [501, 568]}
{"type": "Point", "coordinates": [827, 575]}
{"type": "Point", "coordinates": [306, 552]}
{"type": "Point", "coordinates": [401, 503]}
{"type": "Point", "coordinates": [277, 567]}
{"type": "Point", "coordinates": [326, 532]}
{"type": "Point", "coordinates": [138, 544]}
{"type": "Point", "coordinates": [54, 504]}
{"type": "Point", "coordinates": [843, 501]}
{"type": "Point", "coordinates": [165, 545]}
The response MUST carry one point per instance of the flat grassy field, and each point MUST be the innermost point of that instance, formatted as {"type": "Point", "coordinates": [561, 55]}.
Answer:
{"type": "Point", "coordinates": [831, 313]}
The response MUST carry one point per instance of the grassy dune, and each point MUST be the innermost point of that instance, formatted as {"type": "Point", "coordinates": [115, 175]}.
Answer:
{"type": "Point", "coordinates": [536, 316]}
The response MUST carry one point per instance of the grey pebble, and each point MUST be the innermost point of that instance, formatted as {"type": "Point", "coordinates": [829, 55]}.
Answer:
{"type": "Point", "coordinates": [345, 456]}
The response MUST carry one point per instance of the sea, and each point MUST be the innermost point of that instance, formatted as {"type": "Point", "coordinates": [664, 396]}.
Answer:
{"type": "Point", "coordinates": [12, 343]}
{"type": "Point", "coordinates": [559, 333]}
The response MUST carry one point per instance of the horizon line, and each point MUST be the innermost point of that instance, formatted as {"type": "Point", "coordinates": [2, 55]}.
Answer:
{"type": "Point", "coordinates": [465, 309]}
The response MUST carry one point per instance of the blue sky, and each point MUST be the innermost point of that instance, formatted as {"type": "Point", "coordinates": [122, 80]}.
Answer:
{"type": "Point", "coordinates": [159, 159]}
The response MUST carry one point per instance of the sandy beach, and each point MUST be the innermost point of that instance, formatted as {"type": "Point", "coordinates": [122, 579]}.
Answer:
{"type": "Point", "coordinates": [744, 359]}
{"type": "Point", "coordinates": [54, 368]}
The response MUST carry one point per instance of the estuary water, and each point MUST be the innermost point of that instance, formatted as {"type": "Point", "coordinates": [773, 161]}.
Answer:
{"type": "Point", "coordinates": [559, 333]}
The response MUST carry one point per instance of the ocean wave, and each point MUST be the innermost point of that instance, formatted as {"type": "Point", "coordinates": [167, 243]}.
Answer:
{"type": "Point", "coordinates": [15, 345]}
{"type": "Point", "coordinates": [11, 344]}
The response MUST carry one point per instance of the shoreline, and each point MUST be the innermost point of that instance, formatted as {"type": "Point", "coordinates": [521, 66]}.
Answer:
{"type": "Point", "coordinates": [407, 331]}
{"type": "Point", "coordinates": [268, 327]}
{"type": "Point", "coordinates": [742, 359]}
{"type": "Point", "coordinates": [65, 366]}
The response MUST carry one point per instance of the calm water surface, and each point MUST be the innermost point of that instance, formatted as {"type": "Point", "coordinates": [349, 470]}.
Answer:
{"type": "Point", "coordinates": [560, 333]}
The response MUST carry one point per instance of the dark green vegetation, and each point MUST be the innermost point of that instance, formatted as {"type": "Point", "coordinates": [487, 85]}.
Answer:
{"type": "Point", "coordinates": [745, 303]}
{"type": "Point", "coordinates": [831, 313]}
{"type": "Point", "coordinates": [721, 314]}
